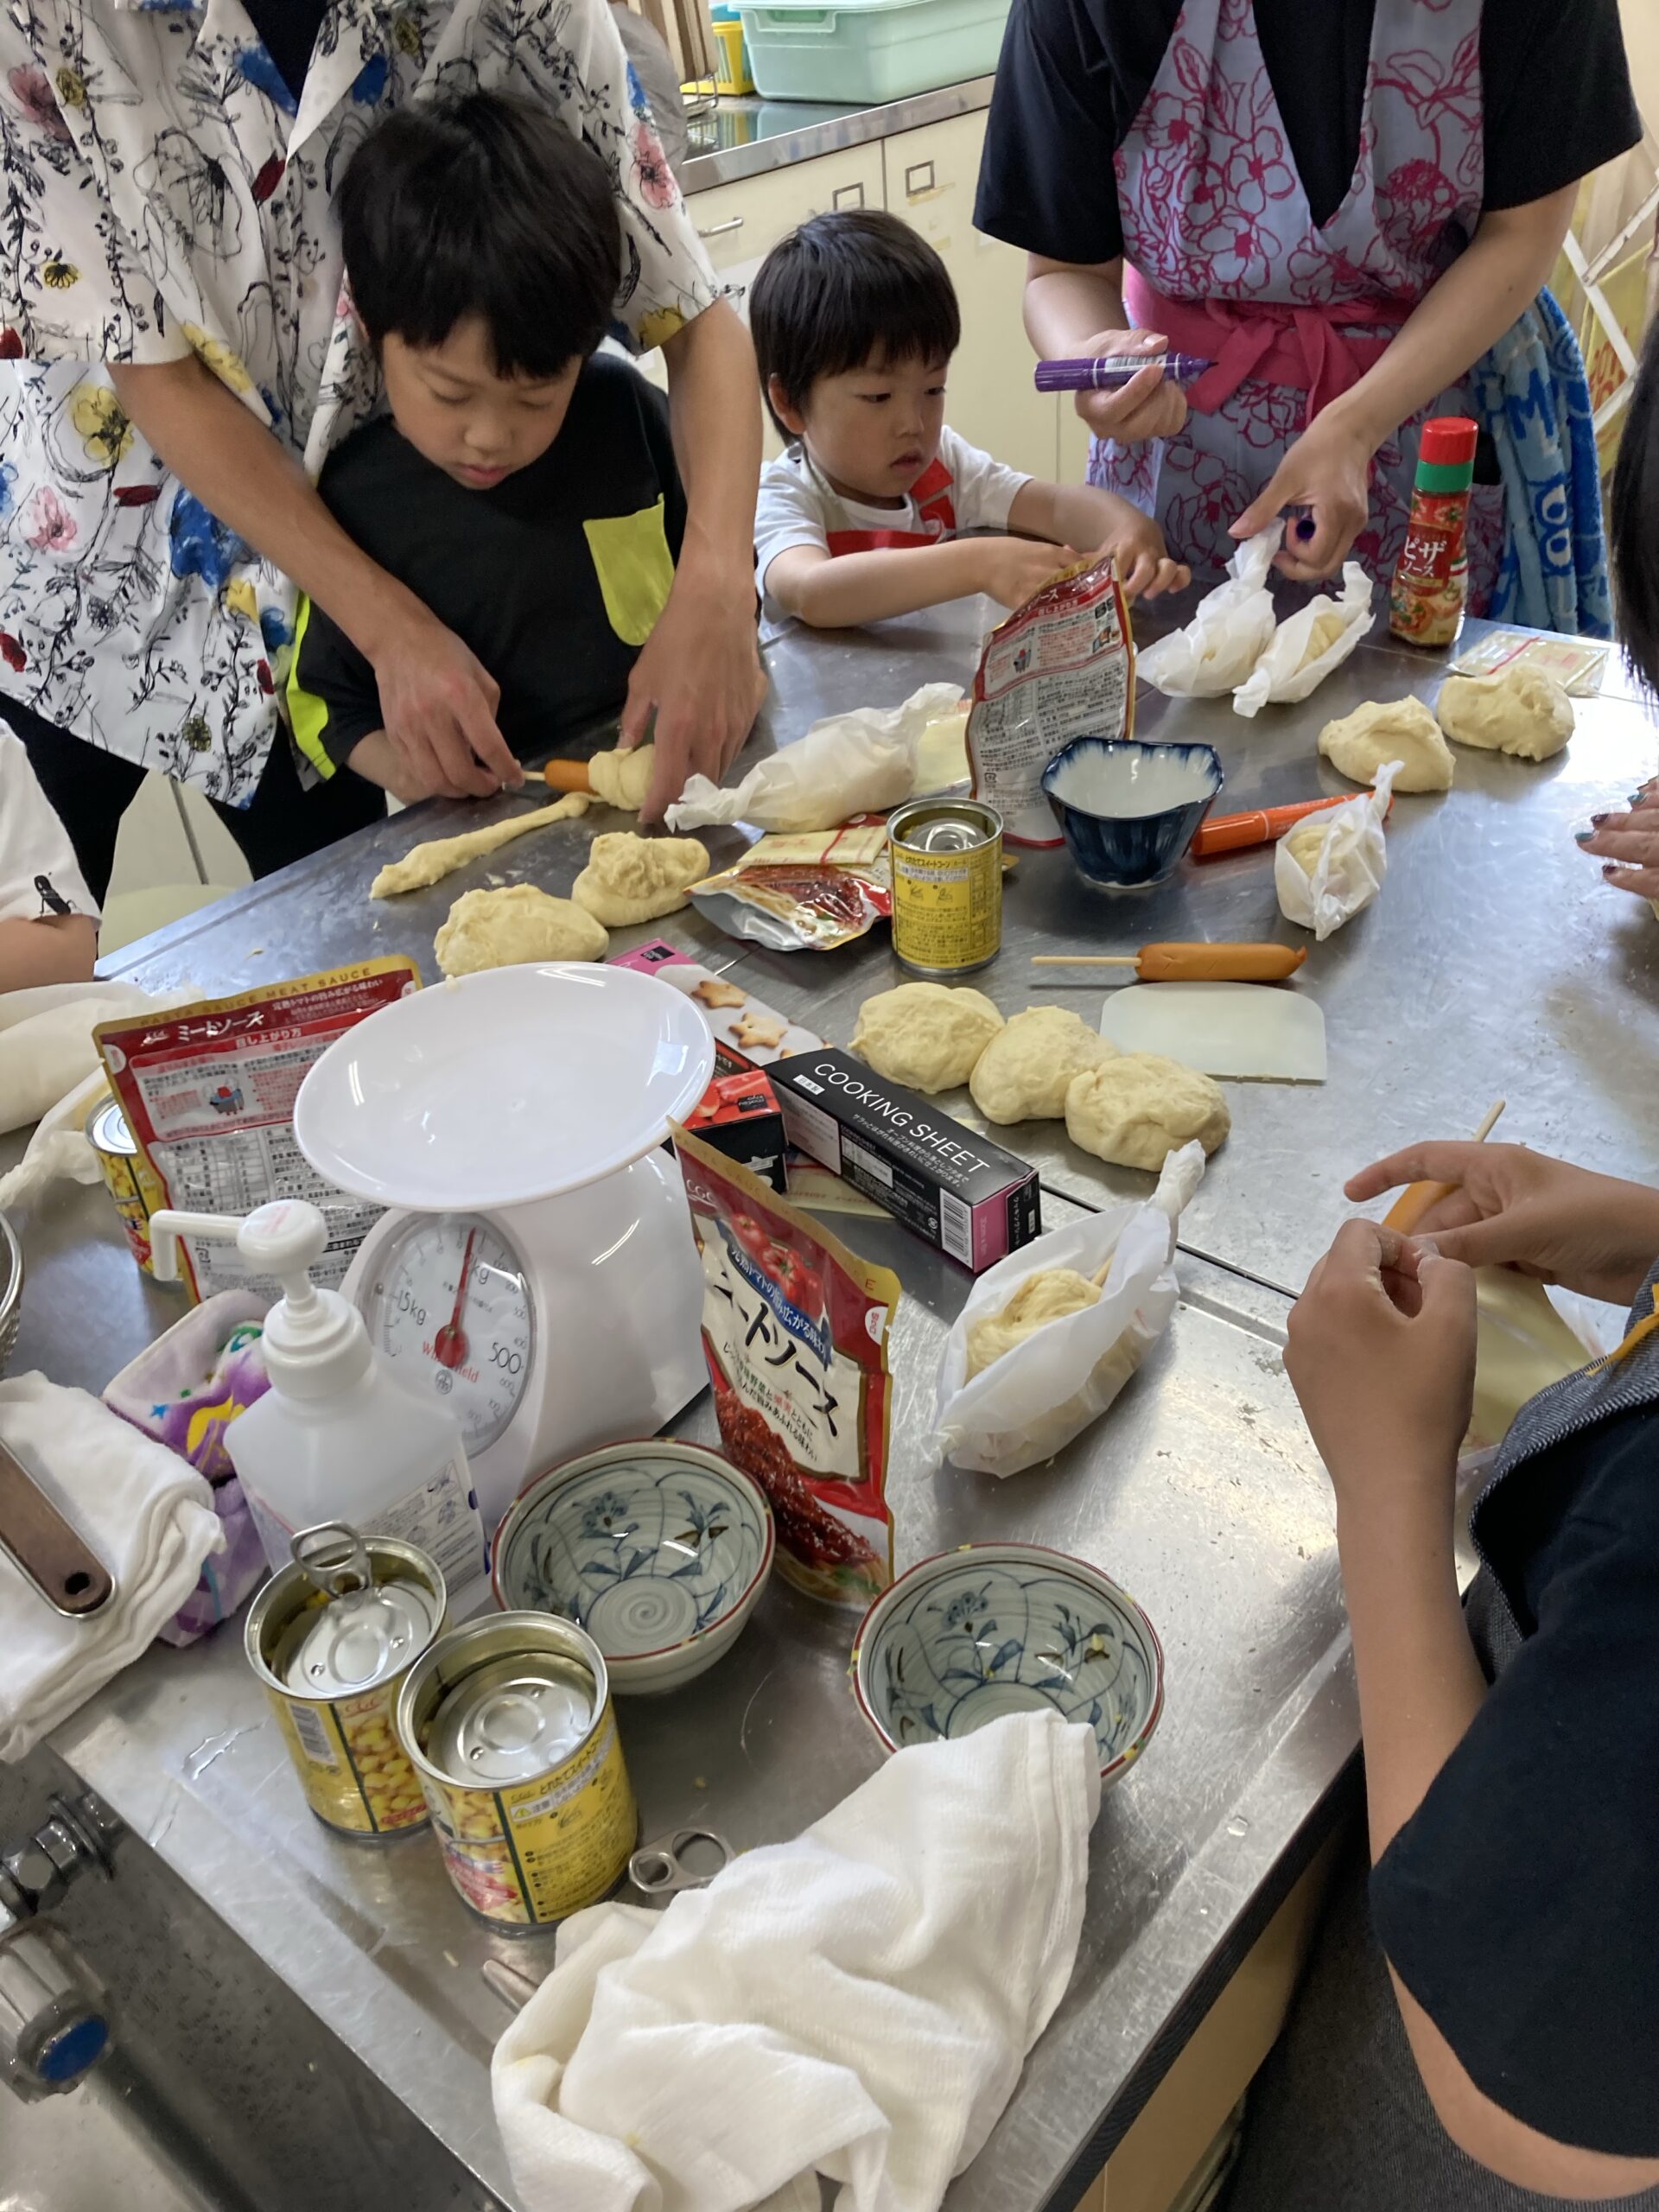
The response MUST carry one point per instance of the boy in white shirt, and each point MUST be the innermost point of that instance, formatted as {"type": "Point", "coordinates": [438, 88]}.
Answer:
{"type": "Point", "coordinates": [48, 924]}
{"type": "Point", "coordinates": [868, 512]}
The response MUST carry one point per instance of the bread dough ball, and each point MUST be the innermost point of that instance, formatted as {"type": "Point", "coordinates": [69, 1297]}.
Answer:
{"type": "Point", "coordinates": [1521, 710]}
{"type": "Point", "coordinates": [621, 779]}
{"type": "Point", "coordinates": [630, 878]}
{"type": "Point", "coordinates": [1391, 729]}
{"type": "Point", "coordinates": [1023, 1074]}
{"type": "Point", "coordinates": [1138, 1108]}
{"type": "Point", "coordinates": [925, 1035]}
{"type": "Point", "coordinates": [1049, 1295]}
{"type": "Point", "coordinates": [1326, 629]}
{"type": "Point", "coordinates": [1307, 841]}
{"type": "Point", "coordinates": [500, 929]}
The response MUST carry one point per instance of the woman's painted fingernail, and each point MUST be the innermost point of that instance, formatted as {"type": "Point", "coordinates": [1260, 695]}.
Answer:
{"type": "Point", "coordinates": [1610, 869]}
{"type": "Point", "coordinates": [1583, 836]}
{"type": "Point", "coordinates": [1637, 798]}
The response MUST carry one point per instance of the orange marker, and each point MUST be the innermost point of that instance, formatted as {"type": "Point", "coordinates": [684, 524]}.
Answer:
{"type": "Point", "coordinates": [1232, 833]}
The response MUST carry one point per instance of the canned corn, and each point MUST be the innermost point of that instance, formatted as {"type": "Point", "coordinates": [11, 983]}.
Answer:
{"type": "Point", "coordinates": [946, 859]}
{"type": "Point", "coordinates": [117, 1155]}
{"type": "Point", "coordinates": [509, 1723]}
{"type": "Point", "coordinates": [331, 1637]}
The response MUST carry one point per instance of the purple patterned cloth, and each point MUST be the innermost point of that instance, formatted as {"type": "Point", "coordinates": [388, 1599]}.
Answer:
{"type": "Point", "coordinates": [184, 1390]}
{"type": "Point", "coordinates": [1213, 209]}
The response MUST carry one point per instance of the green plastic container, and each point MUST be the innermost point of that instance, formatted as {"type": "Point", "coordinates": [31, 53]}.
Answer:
{"type": "Point", "coordinates": [868, 51]}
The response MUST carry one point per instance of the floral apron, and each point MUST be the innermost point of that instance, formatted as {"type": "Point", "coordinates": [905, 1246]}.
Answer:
{"type": "Point", "coordinates": [1214, 214]}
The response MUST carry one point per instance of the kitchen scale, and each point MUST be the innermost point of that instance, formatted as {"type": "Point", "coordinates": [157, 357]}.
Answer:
{"type": "Point", "coordinates": [535, 1270]}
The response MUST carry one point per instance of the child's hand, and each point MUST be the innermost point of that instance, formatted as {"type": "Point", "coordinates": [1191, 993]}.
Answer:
{"type": "Point", "coordinates": [1144, 567]}
{"type": "Point", "coordinates": [1382, 1357]}
{"type": "Point", "coordinates": [1011, 570]}
{"type": "Point", "coordinates": [1512, 1208]}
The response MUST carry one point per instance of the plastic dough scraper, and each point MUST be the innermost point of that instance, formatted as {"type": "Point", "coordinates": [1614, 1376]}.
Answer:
{"type": "Point", "coordinates": [1242, 1030]}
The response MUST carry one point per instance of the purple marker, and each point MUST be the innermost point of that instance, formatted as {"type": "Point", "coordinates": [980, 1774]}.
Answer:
{"type": "Point", "coordinates": [1108, 372]}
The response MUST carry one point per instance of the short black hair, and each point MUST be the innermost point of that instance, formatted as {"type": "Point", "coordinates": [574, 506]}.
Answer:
{"type": "Point", "coordinates": [842, 289]}
{"type": "Point", "coordinates": [1636, 520]}
{"type": "Point", "coordinates": [482, 204]}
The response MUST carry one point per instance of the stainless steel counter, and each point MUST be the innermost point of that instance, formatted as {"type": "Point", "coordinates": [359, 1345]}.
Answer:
{"type": "Point", "coordinates": [1495, 963]}
{"type": "Point", "coordinates": [749, 136]}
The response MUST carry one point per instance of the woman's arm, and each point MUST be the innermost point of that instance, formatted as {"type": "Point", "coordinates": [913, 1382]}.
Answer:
{"type": "Point", "coordinates": [439, 700]}
{"type": "Point", "coordinates": [1382, 1356]}
{"type": "Point", "coordinates": [700, 670]}
{"type": "Point", "coordinates": [1072, 309]}
{"type": "Point", "coordinates": [1485, 290]}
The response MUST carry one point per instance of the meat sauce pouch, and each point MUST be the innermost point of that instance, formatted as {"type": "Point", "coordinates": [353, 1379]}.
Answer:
{"type": "Point", "coordinates": [795, 1330]}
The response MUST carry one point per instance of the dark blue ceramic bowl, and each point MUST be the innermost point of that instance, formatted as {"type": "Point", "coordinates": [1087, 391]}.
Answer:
{"type": "Point", "coordinates": [1128, 811]}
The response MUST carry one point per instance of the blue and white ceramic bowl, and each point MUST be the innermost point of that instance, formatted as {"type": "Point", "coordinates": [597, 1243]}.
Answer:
{"type": "Point", "coordinates": [990, 1629]}
{"type": "Point", "coordinates": [659, 1550]}
{"type": "Point", "coordinates": [1128, 811]}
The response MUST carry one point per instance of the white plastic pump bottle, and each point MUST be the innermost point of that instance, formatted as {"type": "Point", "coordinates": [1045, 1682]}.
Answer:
{"type": "Point", "coordinates": [336, 1437]}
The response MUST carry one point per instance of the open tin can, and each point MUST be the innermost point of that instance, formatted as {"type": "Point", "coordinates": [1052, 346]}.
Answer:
{"type": "Point", "coordinates": [509, 1723]}
{"type": "Point", "coordinates": [331, 1637]}
{"type": "Point", "coordinates": [946, 859]}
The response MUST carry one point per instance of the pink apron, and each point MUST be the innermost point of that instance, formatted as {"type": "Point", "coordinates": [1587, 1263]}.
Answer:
{"type": "Point", "coordinates": [1223, 255]}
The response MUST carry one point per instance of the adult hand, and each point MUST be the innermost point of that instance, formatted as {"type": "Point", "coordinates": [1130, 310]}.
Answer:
{"type": "Point", "coordinates": [1150, 406]}
{"type": "Point", "coordinates": [1328, 471]}
{"type": "Point", "coordinates": [699, 676]}
{"type": "Point", "coordinates": [1382, 1357]}
{"type": "Point", "coordinates": [439, 702]}
{"type": "Point", "coordinates": [1628, 844]}
{"type": "Point", "coordinates": [1512, 1208]}
{"type": "Point", "coordinates": [1010, 569]}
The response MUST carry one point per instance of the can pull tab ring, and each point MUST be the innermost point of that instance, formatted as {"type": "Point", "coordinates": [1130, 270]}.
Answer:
{"type": "Point", "coordinates": [334, 1558]}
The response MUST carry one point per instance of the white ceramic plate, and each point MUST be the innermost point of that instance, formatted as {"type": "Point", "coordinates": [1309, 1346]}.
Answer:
{"type": "Point", "coordinates": [503, 1087]}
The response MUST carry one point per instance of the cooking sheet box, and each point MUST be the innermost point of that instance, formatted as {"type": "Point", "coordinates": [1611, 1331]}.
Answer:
{"type": "Point", "coordinates": [956, 1189]}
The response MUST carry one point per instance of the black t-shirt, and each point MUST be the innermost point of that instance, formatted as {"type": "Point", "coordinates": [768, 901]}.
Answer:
{"type": "Point", "coordinates": [288, 31]}
{"type": "Point", "coordinates": [1556, 103]}
{"type": "Point", "coordinates": [1520, 1903]}
{"type": "Point", "coordinates": [553, 578]}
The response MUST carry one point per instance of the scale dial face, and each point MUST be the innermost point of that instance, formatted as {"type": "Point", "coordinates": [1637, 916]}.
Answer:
{"type": "Point", "coordinates": [447, 1303]}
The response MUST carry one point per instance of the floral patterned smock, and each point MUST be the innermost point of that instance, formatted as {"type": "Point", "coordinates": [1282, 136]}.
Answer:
{"type": "Point", "coordinates": [163, 191]}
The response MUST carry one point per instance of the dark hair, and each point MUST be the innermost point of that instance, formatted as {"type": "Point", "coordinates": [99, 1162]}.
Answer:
{"type": "Point", "coordinates": [842, 289]}
{"type": "Point", "coordinates": [1636, 520]}
{"type": "Point", "coordinates": [482, 205]}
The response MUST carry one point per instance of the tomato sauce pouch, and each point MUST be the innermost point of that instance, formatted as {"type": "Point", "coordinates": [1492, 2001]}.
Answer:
{"type": "Point", "coordinates": [795, 1330]}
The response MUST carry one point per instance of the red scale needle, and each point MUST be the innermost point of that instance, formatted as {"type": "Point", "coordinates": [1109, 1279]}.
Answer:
{"type": "Point", "coordinates": [449, 1345]}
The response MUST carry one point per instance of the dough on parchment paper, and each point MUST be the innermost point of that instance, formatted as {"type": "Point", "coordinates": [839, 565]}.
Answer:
{"type": "Point", "coordinates": [621, 779]}
{"type": "Point", "coordinates": [926, 1036]}
{"type": "Point", "coordinates": [440, 856]}
{"type": "Point", "coordinates": [1326, 628]}
{"type": "Point", "coordinates": [632, 879]}
{"type": "Point", "coordinates": [1306, 840]}
{"type": "Point", "coordinates": [1049, 1295]}
{"type": "Point", "coordinates": [1025, 1071]}
{"type": "Point", "coordinates": [500, 928]}
{"type": "Point", "coordinates": [1138, 1108]}
{"type": "Point", "coordinates": [1521, 710]}
{"type": "Point", "coordinates": [1391, 729]}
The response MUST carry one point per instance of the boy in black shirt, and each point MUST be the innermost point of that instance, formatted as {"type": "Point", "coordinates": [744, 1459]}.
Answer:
{"type": "Point", "coordinates": [522, 488]}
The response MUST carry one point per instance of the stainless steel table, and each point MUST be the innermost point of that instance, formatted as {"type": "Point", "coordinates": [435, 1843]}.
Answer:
{"type": "Point", "coordinates": [1495, 963]}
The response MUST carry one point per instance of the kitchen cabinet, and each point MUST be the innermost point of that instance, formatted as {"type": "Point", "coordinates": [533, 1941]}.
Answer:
{"type": "Point", "coordinates": [931, 175]}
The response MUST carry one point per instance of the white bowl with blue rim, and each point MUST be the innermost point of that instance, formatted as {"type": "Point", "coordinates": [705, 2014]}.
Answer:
{"type": "Point", "coordinates": [1128, 811]}
{"type": "Point", "coordinates": [970, 1635]}
{"type": "Point", "coordinates": [659, 1551]}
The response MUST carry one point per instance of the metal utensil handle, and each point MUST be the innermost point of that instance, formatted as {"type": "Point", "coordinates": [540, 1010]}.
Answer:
{"type": "Point", "coordinates": [46, 1549]}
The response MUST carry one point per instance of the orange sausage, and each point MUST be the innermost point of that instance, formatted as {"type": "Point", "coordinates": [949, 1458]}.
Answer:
{"type": "Point", "coordinates": [567, 776]}
{"type": "Point", "coordinates": [1213, 964]}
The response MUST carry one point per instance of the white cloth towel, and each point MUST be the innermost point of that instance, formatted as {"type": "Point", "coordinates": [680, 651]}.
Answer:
{"type": "Point", "coordinates": [144, 1511]}
{"type": "Point", "coordinates": [858, 2002]}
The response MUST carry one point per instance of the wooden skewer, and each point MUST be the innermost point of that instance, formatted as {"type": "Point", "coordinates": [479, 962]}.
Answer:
{"type": "Point", "coordinates": [1085, 959]}
{"type": "Point", "coordinates": [1490, 1121]}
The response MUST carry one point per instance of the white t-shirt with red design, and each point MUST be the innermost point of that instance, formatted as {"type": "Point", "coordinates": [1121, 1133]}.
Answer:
{"type": "Point", "coordinates": [965, 490]}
